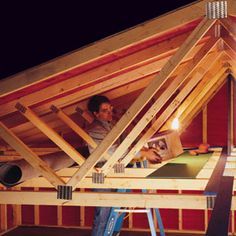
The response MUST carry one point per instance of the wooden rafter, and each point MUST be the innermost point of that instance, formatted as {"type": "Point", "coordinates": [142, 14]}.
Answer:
{"type": "Point", "coordinates": [166, 71]}
{"type": "Point", "coordinates": [187, 119]}
{"type": "Point", "coordinates": [76, 128]}
{"type": "Point", "coordinates": [171, 89]}
{"type": "Point", "coordinates": [57, 139]}
{"type": "Point", "coordinates": [105, 73]}
{"type": "Point", "coordinates": [195, 78]}
{"type": "Point", "coordinates": [107, 47]}
{"type": "Point", "coordinates": [208, 75]}
{"type": "Point", "coordinates": [30, 156]}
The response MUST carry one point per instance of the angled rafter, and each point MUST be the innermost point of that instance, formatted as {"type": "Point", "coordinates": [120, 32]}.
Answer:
{"type": "Point", "coordinates": [188, 101]}
{"type": "Point", "coordinates": [203, 93]}
{"type": "Point", "coordinates": [167, 70]}
{"type": "Point", "coordinates": [76, 128]}
{"type": "Point", "coordinates": [195, 78]}
{"type": "Point", "coordinates": [107, 72]}
{"type": "Point", "coordinates": [187, 119]}
{"type": "Point", "coordinates": [105, 83]}
{"type": "Point", "coordinates": [229, 40]}
{"type": "Point", "coordinates": [29, 156]}
{"type": "Point", "coordinates": [229, 25]}
{"type": "Point", "coordinates": [103, 48]}
{"type": "Point", "coordinates": [56, 138]}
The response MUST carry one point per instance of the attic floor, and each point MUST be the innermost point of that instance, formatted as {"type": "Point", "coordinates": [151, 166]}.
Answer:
{"type": "Point", "coordinates": [60, 231]}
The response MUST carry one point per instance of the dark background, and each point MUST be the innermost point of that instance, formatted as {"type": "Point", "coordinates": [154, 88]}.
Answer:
{"type": "Point", "coordinates": [33, 32]}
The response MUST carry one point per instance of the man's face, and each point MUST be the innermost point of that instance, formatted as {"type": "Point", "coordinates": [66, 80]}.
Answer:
{"type": "Point", "coordinates": [105, 112]}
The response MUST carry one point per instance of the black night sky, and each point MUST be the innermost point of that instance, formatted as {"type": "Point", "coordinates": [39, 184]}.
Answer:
{"type": "Point", "coordinates": [33, 32]}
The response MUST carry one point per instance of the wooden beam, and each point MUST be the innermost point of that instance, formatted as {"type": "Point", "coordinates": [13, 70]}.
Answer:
{"type": "Point", "coordinates": [76, 128]}
{"type": "Point", "coordinates": [157, 105]}
{"type": "Point", "coordinates": [143, 200]}
{"type": "Point", "coordinates": [3, 216]}
{"type": "Point", "coordinates": [127, 65]}
{"type": "Point", "coordinates": [191, 112]}
{"type": "Point", "coordinates": [36, 210]}
{"type": "Point", "coordinates": [195, 93]}
{"type": "Point", "coordinates": [204, 124]}
{"type": "Point", "coordinates": [195, 78]}
{"type": "Point", "coordinates": [51, 134]}
{"type": "Point", "coordinates": [230, 42]}
{"type": "Point", "coordinates": [147, 94]}
{"type": "Point", "coordinates": [200, 92]}
{"type": "Point", "coordinates": [17, 212]}
{"type": "Point", "coordinates": [107, 47]}
{"type": "Point", "coordinates": [29, 156]}
{"type": "Point", "coordinates": [135, 178]}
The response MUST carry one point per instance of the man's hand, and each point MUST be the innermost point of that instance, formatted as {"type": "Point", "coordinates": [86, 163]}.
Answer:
{"type": "Point", "coordinates": [152, 156]}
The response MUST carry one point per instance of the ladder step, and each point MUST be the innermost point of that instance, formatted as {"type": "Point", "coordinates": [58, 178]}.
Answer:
{"type": "Point", "coordinates": [134, 210]}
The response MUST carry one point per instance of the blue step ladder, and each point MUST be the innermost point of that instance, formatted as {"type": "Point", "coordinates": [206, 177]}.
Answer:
{"type": "Point", "coordinates": [116, 218]}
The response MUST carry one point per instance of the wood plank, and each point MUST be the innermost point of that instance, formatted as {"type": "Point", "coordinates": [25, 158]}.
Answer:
{"type": "Point", "coordinates": [108, 46]}
{"type": "Point", "coordinates": [170, 201]}
{"type": "Point", "coordinates": [166, 71]}
{"type": "Point", "coordinates": [51, 134]}
{"type": "Point", "coordinates": [202, 93]}
{"type": "Point", "coordinates": [208, 77]}
{"type": "Point", "coordinates": [204, 124]}
{"type": "Point", "coordinates": [75, 127]}
{"type": "Point", "coordinates": [195, 78]}
{"type": "Point", "coordinates": [36, 210]}
{"type": "Point", "coordinates": [29, 156]}
{"type": "Point", "coordinates": [219, 221]}
{"type": "Point", "coordinates": [191, 114]}
{"type": "Point", "coordinates": [109, 71]}
{"type": "Point", "coordinates": [3, 216]}
{"type": "Point", "coordinates": [59, 215]}
{"type": "Point", "coordinates": [17, 212]}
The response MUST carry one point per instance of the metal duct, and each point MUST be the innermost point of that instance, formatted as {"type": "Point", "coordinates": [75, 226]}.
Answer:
{"type": "Point", "coordinates": [15, 172]}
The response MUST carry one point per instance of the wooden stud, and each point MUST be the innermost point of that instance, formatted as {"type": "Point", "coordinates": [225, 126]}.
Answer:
{"type": "Point", "coordinates": [204, 124]}
{"type": "Point", "coordinates": [36, 210]}
{"type": "Point", "coordinates": [59, 215]}
{"type": "Point", "coordinates": [3, 216]}
{"type": "Point", "coordinates": [82, 212]}
{"type": "Point", "coordinates": [17, 213]}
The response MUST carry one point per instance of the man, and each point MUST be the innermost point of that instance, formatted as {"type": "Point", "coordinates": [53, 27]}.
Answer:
{"type": "Point", "coordinates": [102, 110]}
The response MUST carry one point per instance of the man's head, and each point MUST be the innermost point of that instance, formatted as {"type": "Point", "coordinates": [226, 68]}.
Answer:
{"type": "Point", "coordinates": [100, 107]}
